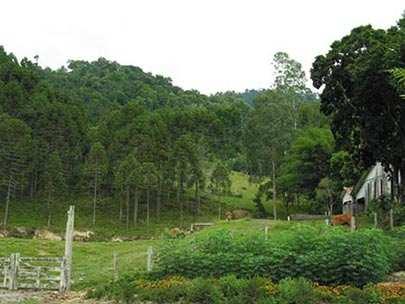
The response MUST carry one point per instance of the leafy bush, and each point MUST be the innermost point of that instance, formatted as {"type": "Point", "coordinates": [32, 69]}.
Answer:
{"type": "Point", "coordinates": [324, 255]}
{"type": "Point", "coordinates": [233, 289]}
{"type": "Point", "coordinates": [256, 290]}
{"type": "Point", "coordinates": [170, 289]}
{"type": "Point", "coordinates": [399, 235]}
{"type": "Point", "coordinates": [352, 295]}
{"type": "Point", "coordinates": [122, 290]}
{"type": "Point", "coordinates": [204, 291]}
{"type": "Point", "coordinates": [296, 291]}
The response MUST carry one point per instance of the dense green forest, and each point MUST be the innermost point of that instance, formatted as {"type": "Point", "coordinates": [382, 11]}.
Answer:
{"type": "Point", "coordinates": [100, 129]}
{"type": "Point", "coordinates": [103, 129]}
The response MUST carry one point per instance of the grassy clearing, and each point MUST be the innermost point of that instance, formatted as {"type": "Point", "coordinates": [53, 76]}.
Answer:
{"type": "Point", "coordinates": [243, 192]}
{"type": "Point", "coordinates": [92, 261]}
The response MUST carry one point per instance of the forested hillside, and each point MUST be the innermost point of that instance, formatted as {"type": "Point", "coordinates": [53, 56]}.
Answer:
{"type": "Point", "coordinates": [103, 131]}
{"type": "Point", "coordinates": [102, 86]}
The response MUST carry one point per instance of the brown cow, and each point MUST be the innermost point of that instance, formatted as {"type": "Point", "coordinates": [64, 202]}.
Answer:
{"type": "Point", "coordinates": [341, 219]}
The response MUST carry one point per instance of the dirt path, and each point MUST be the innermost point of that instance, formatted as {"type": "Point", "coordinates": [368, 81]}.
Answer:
{"type": "Point", "coordinates": [37, 297]}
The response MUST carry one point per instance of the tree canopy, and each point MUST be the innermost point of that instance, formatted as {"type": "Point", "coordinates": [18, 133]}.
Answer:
{"type": "Point", "coordinates": [358, 94]}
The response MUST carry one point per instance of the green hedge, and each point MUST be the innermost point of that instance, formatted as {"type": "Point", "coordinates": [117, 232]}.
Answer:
{"type": "Point", "coordinates": [327, 256]}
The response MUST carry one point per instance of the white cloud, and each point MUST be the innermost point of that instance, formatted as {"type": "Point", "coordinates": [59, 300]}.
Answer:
{"type": "Point", "coordinates": [207, 45]}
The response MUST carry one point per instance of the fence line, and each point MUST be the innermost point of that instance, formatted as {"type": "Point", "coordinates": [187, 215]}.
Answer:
{"type": "Point", "coordinates": [17, 272]}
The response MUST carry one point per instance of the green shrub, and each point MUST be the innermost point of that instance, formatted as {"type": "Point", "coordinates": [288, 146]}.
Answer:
{"type": "Point", "coordinates": [123, 290]}
{"type": "Point", "coordinates": [354, 295]}
{"type": "Point", "coordinates": [170, 294]}
{"type": "Point", "coordinates": [204, 291]}
{"type": "Point", "coordinates": [296, 291]}
{"type": "Point", "coordinates": [321, 254]}
{"type": "Point", "coordinates": [399, 235]}
{"type": "Point", "coordinates": [233, 289]}
{"type": "Point", "coordinates": [256, 290]}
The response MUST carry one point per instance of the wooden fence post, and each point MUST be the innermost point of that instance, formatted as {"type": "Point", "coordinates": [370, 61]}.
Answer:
{"type": "Point", "coordinates": [352, 223]}
{"type": "Point", "coordinates": [67, 269]}
{"type": "Point", "coordinates": [10, 272]}
{"type": "Point", "coordinates": [274, 211]}
{"type": "Point", "coordinates": [375, 220]}
{"type": "Point", "coordinates": [63, 275]}
{"type": "Point", "coordinates": [17, 267]}
{"type": "Point", "coordinates": [13, 271]}
{"type": "Point", "coordinates": [149, 259]}
{"type": "Point", "coordinates": [391, 219]}
{"type": "Point", "coordinates": [115, 266]}
{"type": "Point", "coordinates": [266, 232]}
{"type": "Point", "coordinates": [38, 277]}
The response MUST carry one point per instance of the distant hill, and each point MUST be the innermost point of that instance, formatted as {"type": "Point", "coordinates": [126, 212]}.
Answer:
{"type": "Point", "coordinates": [248, 96]}
{"type": "Point", "coordinates": [104, 85]}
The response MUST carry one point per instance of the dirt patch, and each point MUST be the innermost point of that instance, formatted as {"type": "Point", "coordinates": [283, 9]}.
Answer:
{"type": "Point", "coordinates": [40, 297]}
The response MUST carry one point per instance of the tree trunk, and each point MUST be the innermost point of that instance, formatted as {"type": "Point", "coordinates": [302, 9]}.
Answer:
{"type": "Point", "coordinates": [273, 179]}
{"type": "Point", "coordinates": [35, 183]}
{"type": "Point", "coordinates": [197, 196]}
{"type": "Point", "coordinates": [121, 210]}
{"type": "Point", "coordinates": [180, 200]}
{"type": "Point", "coordinates": [49, 211]}
{"type": "Point", "coordinates": [136, 204]}
{"type": "Point", "coordinates": [158, 199]}
{"type": "Point", "coordinates": [168, 195]}
{"type": "Point", "coordinates": [95, 197]}
{"type": "Point", "coordinates": [127, 202]}
{"type": "Point", "coordinates": [295, 113]}
{"type": "Point", "coordinates": [395, 186]}
{"type": "Point", "coordinates": [7, 202]}
{"type": "Point", "coordinates": [147, 207]}
{"type": "Point", "coordinates": [401, 184]}
{"type": "Point", "coordinates": [31, 188]}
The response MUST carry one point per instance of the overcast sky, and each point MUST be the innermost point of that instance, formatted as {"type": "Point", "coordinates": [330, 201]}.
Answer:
{"type": "Point", "coordinates": [209, 45]}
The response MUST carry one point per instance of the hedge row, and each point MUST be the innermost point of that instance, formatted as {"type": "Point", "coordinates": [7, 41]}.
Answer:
{"type": "Point", "coordinates": [327, 256]}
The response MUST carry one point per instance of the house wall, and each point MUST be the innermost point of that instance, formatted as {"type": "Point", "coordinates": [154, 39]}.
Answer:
{"type": "Point", "coordinates": [375, 185]}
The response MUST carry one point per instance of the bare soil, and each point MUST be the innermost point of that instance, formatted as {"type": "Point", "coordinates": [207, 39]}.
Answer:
{"type": "Point", "coordinates": [14, 297]}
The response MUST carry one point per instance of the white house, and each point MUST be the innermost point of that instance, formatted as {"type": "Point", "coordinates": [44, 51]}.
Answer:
{"type": "Point", "coordinates": [376, 184]}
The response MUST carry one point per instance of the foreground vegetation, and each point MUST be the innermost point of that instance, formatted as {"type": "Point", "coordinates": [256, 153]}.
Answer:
{"type": "Point", "coordinates": [297, 263]}
{"type": "Point", "coordinates": [232, 290]}
{"type": "Point", "coordinates": [238, 248]}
